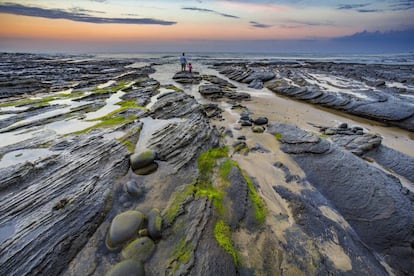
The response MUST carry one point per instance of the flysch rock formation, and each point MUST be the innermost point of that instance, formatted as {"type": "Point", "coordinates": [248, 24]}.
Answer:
{"type": "Point", "coordinates": [49, 209]}
{"type": "Point", "coordinates": [168, 182]}
{"type": "Point", "coordinates": [373, 202]}
{"type": "Point", "coordinates": [355, 89]}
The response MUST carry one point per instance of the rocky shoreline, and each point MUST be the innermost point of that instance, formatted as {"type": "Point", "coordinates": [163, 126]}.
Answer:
{"type": "Point", "coordinates": [113, 171]}
{"type": "Point", "coordinates": [353, 88]}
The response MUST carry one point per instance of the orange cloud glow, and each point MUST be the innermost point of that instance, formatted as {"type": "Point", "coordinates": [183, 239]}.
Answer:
{"type": "Point", "coordinates": [34, 27]}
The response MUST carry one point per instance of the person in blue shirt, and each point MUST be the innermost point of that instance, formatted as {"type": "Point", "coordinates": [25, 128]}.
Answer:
{"type": "Point", "coordinates": [183, 61]}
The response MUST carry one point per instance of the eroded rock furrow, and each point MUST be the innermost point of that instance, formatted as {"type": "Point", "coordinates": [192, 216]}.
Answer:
{"type": "Point", "coordinates": [58, 207]}
{"type": "Point", "coordinates": [367, 99]}
{"type": "Point", "coordinates": [368, 198]}
{"type": "Point", "coordinates": [181, 142]}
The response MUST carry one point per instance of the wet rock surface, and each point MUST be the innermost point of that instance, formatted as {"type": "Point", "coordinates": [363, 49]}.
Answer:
{"type": "Point", "coordinates": [180, 142]}
{"type": "Point", "coordinates": [362, 90]}
{"type": "Point", "coordinates": [124, 227]}
{"type": "Point", "coordinates": [187, 77]}
{"type": "Point", "coordinates": [124, 175]}
{"type": "Point", "coordinates": [67, 195]}
{"type": "Point", "coordinates": [128, 267]}
{"type": "Point", "coordinates": [369, 199]}
{"type": "Point", "coordinates": [214, 91]}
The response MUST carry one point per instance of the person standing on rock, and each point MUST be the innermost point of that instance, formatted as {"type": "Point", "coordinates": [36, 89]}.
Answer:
{"type": "Point", "coordinates": [183, 61]}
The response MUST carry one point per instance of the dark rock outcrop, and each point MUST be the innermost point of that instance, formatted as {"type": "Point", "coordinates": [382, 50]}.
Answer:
{"type": "Point", "coordinates": [181, 141]}
{"type": "Point", "coordinates": [28, 74]}
{"type": "Point", "coordinates": [368, 198]}
{"type": "Point", "coordinates": [218, 81]}
{"type": "Point", "coordinates": [214, 91]}
{"type": "Point", "coordinates": [67, 195]}
{"type": "Point", "coordinates": [246, 75]}
{"type": "Point", "coordinates": [379, 102]}
{"type": "Point", "coordinates": [187, 77]}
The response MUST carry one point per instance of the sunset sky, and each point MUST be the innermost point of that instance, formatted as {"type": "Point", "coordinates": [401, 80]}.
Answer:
{"type": "Point", "coordinates": [128, 25]}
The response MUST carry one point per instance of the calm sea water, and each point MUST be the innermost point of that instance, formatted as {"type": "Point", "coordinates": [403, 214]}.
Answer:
{"type": "Point", "coordinates": [393, 58]}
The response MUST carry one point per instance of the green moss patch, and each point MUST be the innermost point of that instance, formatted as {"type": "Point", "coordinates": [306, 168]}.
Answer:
{"type": "Point", "coordinates": [260, 209]}
{"type": "Point", "coordinates": [128, 143]}
{"type": "Point", "coordinates": [258, 204]}
{"type": "Point", "coordinates": [41, 101]}
{"type": "Point", "coordinates": [278, 136]}
{"type": "Point", "coordinates": [208, 160]}
{"type": "Point", "coordinates": [214, 194]}
{"type": "Point", "coordinates": [213, 178]}
{"type": "Point", "coordinates": [29, 101]}
{"type": "Point", "coordinates": [178, 198]}
{"type": "Point", "coordinates": [173, 87]}
{"type": "Point", "coordinates": [129, 104]}
{"type": "Point", "coordinates": [182, 251]}
{"type": "Point", "coordinates": [108, 121]}
{"type": "Point", "coordinates": [110, 89]}
{"type": "Point", "coordinates": [222, 233]}
{"type": "Point", "coordinates": [130, 139]}
{"type": "Point", "coordinates": [225, 169]}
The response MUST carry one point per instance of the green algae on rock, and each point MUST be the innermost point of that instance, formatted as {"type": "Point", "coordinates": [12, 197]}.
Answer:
{"type": "Point", "coordinates": [142, 159]}
{"type": "Point", "coordinates": [140, 249]}
{"type": "Point", "coordinates": [147, 170]}
{"type": "Point", "coordinates": [154, 223]}
{"type": "Point", "coordinates": [128, 267]}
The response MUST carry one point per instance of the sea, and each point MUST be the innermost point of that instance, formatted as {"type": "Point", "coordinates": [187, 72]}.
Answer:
{"type": "Point", "coordinates": [386, 58]}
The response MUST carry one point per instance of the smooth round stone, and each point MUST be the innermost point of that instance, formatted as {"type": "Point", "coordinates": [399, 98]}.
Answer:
{"type": "Point", "coordinates": [142, 159]}
{"type": "Point", "coordinates": [147, 170]}
{"type": "Point", "coordinates": [330, 131]}
{"type": "Point", "coordinates": [133, 189]}
{"type": "Point", "coordinates": [140, 249]}
{"type": "Point", "coordinates": [245, 123]}
{"type": "Point", "coordinates": [261, 121]}
{"type": "Point", "coordinates": [343, 126]}
{"type": "Point", "coordinates": [154, 224]}
{"type": "Point", "coordinates": [128, 267]}
{"type": "Point", "coordinates": [258, 129]}
{"type": "Point", "coordinates": [124, 227]}
{"type": "Point", "coordinates": [245, 116]}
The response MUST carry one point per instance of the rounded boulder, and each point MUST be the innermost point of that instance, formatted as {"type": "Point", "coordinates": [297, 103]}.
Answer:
{"type": "Point", "coordinates": [261, 121]}
{"type": "Point", "coordinates": [258, 129]}
{"type": "Point", "coordinates": [124, 227]}
{"type": "Point", "coordinates": [139, 250]}
{"type": "Point", "coordinates": [128, 267]}
{"type": "Point", "coordinates": [147, 170]}
{"type": "Point", "coordinates": [154, 224]}
{"type": "Point", "coordinates": [142, 159]}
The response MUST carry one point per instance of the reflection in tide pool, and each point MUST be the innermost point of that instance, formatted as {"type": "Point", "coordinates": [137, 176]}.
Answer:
{"type": "Point", "coordinates": [111, 105]}
{"type": "Point", "coordinates": [13, 108]}
{"type": "Point", "coordinates": [107, 84]}
{"type": "Point", "coordinates": [24, 155]}
{"type": "Point", "coordinates": [154, 98]}
{"type": "Point", "coordinates": [69, 126]}
{"type": "Point", "coordinates": [14, 137]}
{"type": "Point", "coordinates": [6, 116]}
{"type": "Point", "coordinates": [150, 126]}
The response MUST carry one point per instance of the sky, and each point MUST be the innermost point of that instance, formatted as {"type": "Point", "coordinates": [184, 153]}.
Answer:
{"type": "Point", "coordinates": [263, 26]}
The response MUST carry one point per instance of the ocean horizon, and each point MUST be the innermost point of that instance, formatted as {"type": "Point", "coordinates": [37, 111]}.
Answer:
{"type": "Point", "coordinates": [170, 56]}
